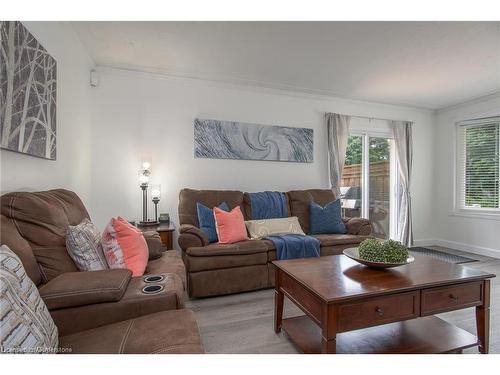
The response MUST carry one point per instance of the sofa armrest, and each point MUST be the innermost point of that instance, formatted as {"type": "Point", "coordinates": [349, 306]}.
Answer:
{"type": "Point", "coordinates": [85, 288]}
{"type": "Point", "coordinates": [358, 226]}
{"type": "Point", "coordinates": [191, 236]}
{"type": "Point", "coordinates": [153, 241]}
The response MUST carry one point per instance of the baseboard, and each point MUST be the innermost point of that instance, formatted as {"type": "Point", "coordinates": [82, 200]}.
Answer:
{"type": "Point", "coordinates": [459, 246]}
{"type": "Point", "coordinates": [427, 242]}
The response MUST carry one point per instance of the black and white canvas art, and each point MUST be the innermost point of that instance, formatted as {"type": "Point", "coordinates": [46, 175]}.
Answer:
{"type": "Point", "coordinates": [216, 139]}
{"type": "Point", "coordinates": [27, 93]}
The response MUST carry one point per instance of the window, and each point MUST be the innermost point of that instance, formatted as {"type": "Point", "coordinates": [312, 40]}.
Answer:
{"type": "Point", "coordinates": [478, 165]}
{"type": "Point", "coordinates": [369, 180]}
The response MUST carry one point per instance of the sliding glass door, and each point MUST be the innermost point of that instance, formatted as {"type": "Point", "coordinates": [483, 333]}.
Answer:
{"type": "Point", "coordinates": [369, 182]}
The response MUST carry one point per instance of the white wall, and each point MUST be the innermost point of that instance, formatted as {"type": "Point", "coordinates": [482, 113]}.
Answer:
{"type": "Point", "coordinates": [102, 133]}
{"type": "Point", "coordinates": [139, 113]}
{"type": "Point", "coordinates": [71, 170]}
{"type": "Point", "coordinates": [466, 232]}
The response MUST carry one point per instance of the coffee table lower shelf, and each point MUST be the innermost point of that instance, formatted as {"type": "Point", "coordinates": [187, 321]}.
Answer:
{"type": "Point", "coordinates": [426, 335]}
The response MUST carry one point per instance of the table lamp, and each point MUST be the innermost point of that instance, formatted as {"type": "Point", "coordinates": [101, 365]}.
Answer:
{"type": "Point", "coordinates": [155, 197]}
{"type": "Point", "coordinates": [144, 176]}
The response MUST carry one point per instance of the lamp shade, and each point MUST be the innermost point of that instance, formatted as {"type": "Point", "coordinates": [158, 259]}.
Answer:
{"type": "Point", "coordinates": [156, 191]}
{"type": "Point", "coordinates": [146, 164]}
{"type": "Point", "coordinates": [143, 177]}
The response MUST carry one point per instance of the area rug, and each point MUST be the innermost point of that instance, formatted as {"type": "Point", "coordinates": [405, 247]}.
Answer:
{"type": "Point", "coordinates": [441, 255]}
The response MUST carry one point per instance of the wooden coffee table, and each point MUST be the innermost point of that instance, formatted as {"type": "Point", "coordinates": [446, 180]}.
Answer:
{"type": "Point", "coordinates": [351, 308]}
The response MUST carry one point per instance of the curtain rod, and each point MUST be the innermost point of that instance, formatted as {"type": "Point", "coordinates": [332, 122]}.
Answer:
{"type": "Point", "coordinates": [375, 118]}
{"type": "Point", "coordinates": [378, 118]}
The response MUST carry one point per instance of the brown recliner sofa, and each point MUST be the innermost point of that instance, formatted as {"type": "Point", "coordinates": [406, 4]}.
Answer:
{"type": "Point", "coordinates": [215, 269]}
{"type": "Point", "coordinates": [99, 311]}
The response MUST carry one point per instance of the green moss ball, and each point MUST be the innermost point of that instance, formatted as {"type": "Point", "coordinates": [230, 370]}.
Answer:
{"type": "Point", "coordinates": [389, 251]}
{"type": "Point", "coordinates": [371, 250]}
{"type": "Point", "coordinates": [395, 252]}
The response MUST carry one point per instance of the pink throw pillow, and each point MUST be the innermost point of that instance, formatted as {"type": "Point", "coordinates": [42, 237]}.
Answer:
{"type": "Point", "coordinates": [124, 246]}
{"type": "Point", "coordinates": [230, 225]}
{"type": "Point", "coordinates": [126, 223]}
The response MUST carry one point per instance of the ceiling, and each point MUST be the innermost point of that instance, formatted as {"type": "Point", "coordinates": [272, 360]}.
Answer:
{"type": "Point", "coordinates": [421, 64]}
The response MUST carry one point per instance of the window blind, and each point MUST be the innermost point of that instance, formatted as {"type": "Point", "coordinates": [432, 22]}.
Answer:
{"type": "Point", "coordinates": [479, 167]}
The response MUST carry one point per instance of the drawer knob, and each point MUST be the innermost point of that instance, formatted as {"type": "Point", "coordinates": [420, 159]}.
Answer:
{"type": "Point", "coordinates": [379, 311]}
{"type": "Point", "coordinates": [454, 297]}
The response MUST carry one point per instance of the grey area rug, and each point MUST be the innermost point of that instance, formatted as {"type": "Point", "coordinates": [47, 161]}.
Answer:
{"type": "Point", "coordinates": [441, 255]}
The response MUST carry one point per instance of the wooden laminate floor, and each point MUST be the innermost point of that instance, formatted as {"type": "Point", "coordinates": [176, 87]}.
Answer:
{"type": "Point", "coordinates": [243, 323]}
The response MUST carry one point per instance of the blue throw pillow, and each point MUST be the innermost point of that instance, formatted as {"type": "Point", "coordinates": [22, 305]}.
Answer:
{"type": "Point", "coordinates": [206, 220]}
{"type": "Point", "coordinates": [326, 220]}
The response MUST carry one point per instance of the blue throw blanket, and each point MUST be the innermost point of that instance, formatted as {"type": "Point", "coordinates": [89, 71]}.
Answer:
{"type": "Point", "coordinates": [268, 205]}
{"type": "Point", "coordinates": [273, 205]}
{"type": "Point", "coordinates": [291, 246]}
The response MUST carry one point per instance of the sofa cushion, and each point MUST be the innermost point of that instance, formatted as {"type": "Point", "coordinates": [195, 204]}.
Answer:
{"type": "Point", "coordinates": [165, 332]}
{"type": "Point", "coordinates": [83, 242]}
{"type": "Point", "coordinates": [216, 256]}
{"type": "Point", "coordinates": [85, 288]}
{"type": "Point", "coordinates": [299, 203]}
{"type": "Point", "coordinates": [27, 326]}
{"type": "Point", "coordinates": [42, 219]}
{"type": "Point", "coordinates": [10, 236]}
{"type": "Point", "coordinates": [238, 248]}
{"type": "Point", "coordinates": [210, 198]}
{"type": "Point", "coordinates": [339, 239]}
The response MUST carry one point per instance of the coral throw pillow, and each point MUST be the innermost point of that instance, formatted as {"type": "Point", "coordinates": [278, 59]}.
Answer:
{"type": "Point", "coordinates": [124, 246]}
{"type": "Point", "coordinates": [230, 225]}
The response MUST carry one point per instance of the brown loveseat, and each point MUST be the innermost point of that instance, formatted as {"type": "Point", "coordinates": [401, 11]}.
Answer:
{"type": "Point", "coordinates": [214, 269]}
{"type": "Point", "coordinates": [100, 311]}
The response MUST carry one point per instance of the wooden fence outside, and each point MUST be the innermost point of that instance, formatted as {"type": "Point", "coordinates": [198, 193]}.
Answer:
{"type": "Point", "coordinates": [380, 179]}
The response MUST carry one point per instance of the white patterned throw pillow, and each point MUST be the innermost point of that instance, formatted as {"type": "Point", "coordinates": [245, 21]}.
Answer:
{"type": "Point", "coordinates": [268, 227]}
{"type": "Point", "coordinates": [83, 242]}
{"type": "Point", "coordinates": [26, 325]}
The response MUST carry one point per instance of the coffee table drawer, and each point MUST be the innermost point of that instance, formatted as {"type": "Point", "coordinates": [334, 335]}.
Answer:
{"type": "Point", "coordinates": [379, 310]}
{"type": "Point", "coordinates": [453, 297]}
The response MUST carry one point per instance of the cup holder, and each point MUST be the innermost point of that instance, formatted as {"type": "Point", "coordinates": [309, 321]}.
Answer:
{"type": "Point", "coordinates": [152, 289]}
{"type": "Point", "coordinates": [153, 278]}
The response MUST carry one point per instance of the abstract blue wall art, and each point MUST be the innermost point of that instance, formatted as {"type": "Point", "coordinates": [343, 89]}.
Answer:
{"type": "Point", "coordinates": [216, 139]}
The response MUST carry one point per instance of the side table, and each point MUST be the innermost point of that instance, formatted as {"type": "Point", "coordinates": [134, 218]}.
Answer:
{"type": "Point", "coordinates": [166, 232]}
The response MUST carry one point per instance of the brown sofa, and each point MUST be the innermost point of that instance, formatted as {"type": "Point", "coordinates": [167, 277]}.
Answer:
{"type": "Point", "coordinates": [214, 269]}
{"type": "Point", "coordinates": [100, 311]}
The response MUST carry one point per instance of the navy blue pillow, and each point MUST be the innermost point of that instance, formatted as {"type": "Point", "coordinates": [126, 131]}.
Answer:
{"type": "Point", "coordinates": [326, 220]}
{"type": "Point", "coordinates": [206, 220]}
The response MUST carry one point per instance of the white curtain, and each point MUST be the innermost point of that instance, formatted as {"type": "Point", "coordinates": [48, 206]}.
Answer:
{"type": "Point", "coordinates": [404, 155]}
{"type": "Point", "coordinates": [337, 133]}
